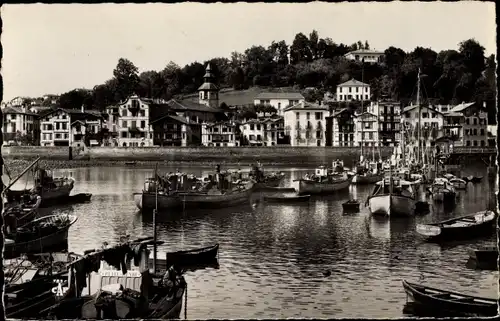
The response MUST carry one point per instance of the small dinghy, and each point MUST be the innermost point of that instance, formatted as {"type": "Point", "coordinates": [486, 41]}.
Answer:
{"type": "Point", "coordinates": [205, 255]}
{"type": "Point", "coordinates": [351, 206]}
{"type": "Point", "coordinates": [79, 198]}
{"type": "Point", "coordinates": [484, 258]}
{"type": "Point", "coordinates": [472, 225]}
{"type": "Point", "coordinates": [286, 198]}
{"type": "Point", "coordinates": [448, 303]}
{"type": "Point", "coordinates": [458, 183]}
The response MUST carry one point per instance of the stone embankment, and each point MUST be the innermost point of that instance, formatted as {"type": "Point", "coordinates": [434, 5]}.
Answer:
{"type": "Point", "coordinates": [18, 157]}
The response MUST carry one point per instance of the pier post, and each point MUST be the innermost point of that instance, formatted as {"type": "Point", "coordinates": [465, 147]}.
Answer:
{"type": "Point", "coordinates": [70, 153]}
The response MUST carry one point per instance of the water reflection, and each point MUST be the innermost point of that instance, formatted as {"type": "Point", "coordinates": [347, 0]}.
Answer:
{"type": "Point", "coordinates": [274, 258]}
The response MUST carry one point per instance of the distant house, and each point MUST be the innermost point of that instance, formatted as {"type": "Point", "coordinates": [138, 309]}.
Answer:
{"type": "Point", "coordinates": [353, 90]}
{"type": "Point", "coordinates": [305, 124]}
{"type": "Point", "coordinates": [468, 122]}
{"type": "Point", "coordinates": [19, 122]}
{"type": "Point", "coordinates": [279, 100]}
{"type": "Point", "coordinates": [220, 134]}
{"type": "Point", "coordinates": [266, 131]}
{"type": "Point", "coordinates": [70, 127]}
{"type": "Point", "coordinates": [369, 56]}
{"type": "Point", "coordinates": [344, 129]}
{"type": "Point", "coordinates": [367, 127]}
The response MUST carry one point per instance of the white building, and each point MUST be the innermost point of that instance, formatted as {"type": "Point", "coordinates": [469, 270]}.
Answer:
{"type": "Point", "coordinates": [18, 122]}
{"type": "Point", "coordinates": [369, 56]}
{"type": "Point", "coordinates": [279, 100]}
{"type": "Point", "coordinates": [133, 127]}
{"type": "Point", "coordinates": [353, 90]}
{"type": "Point", "coordinates": [468, 124]}
{"type": "Point", "coordinates": [220, 134]}
{"type": "Point", "coordinates": [263, 131]}
{"type": "Point", "coordinates": [367, 127]}
{"type": "Point", "coordinates": [305, 124]}
{"type": "Point", "coordinates": [68, 127]}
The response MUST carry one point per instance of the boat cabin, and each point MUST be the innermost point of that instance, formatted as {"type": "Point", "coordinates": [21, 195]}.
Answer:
{"type": "Point", "coordinates": [399, 187]}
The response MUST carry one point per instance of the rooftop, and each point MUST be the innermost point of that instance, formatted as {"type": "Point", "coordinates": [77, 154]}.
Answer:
{"type": "Point", "coordinates": [306, 105]}
{"type": "Point", "coordinates": [365, 51]}
{"type": "Point", "coordinates": [280, 95]}
{"type": "Point", "coordinates": [16, 110]}
{"type": "Point", "coordinates": [410, 108]}
{"type": "Point", "coordinates": [353, 83]}
{"type": "Point", "coordinates": [461, 107]}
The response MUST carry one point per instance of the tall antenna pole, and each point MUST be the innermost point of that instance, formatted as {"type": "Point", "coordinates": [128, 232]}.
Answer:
{"type": "Point", "coordinates": [419, 115]}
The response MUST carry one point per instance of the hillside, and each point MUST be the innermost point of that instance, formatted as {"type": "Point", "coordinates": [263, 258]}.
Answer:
{"type": "Point", "coordinates": [242, 97]}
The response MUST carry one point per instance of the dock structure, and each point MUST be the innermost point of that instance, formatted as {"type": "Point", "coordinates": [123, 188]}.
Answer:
{"type": "Point", "coordinates": [484, 151]}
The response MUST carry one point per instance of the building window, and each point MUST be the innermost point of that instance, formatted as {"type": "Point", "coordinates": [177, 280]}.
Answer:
{"type": "Point", "coordinates": [475, 143]}
{"type": "Point", "coordinates": [252, 127]}
{"type": "Point", "coordinates": [143, 124]}
{"type": "Point", "coordinates": [475, 131]}
{"type": "Point", "coordinates": [482, 132]}
{"type": "Point", "coordinates": [124, 134]}
{"type": "Point", "coordinates": [319, 116]}
{"type": "Point", "coordinates": [482, 143]}
{"type": "Point", "coordinates": [258, 126]}
{"type": "Point", "coordinates": [279, 105]}
{"type": "Point", "coordinates": [124, 124]}
{"type": "Point", "coordinates": [475, 121]}
{"type": "Point", "coordinates": [124, 112]}
{"type": "Point", "coordinates": [350, 89]}
{"type": "Point", "coordinates": [370, 135]}
{"type": "Point", "coordinates": [308, 115]}
{"type": "Point", "coordinates": [467, 121]}
{"type": "Point", "coordinates": [425, 115]}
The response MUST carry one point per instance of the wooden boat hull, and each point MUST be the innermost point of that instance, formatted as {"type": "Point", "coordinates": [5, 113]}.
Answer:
{"type": "Point", "coordinates": [269, 183]}
{"type": "Point", "coordinates": [443, 196]}
{"type": "Point", "coordinates": [391, 205]}
{"type": "Point", "coordinates": [366, 179]}
{"type": "Point", "coordinates": [147, 200]}
{"type": "Point", "coordinates": [312, 187]}
{"type": "Point", "coordinates": [485, 255]}
{"type": "Point", "coordinates": [444, 233]}
{"type": "Point", "coordinates": [287, 199]}
{"type": "Point", "coordinates": [193, 257]}
{"type": "Point", "coordinates": [447, 302]}
{"type": "Point", "coordinates": [56, 240]}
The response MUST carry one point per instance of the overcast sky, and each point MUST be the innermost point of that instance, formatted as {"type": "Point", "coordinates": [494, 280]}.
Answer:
{"type": "Point", "coordinates": [51, 49]}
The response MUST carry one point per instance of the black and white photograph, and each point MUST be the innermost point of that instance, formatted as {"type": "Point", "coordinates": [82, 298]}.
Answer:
{"type": "Point", "coordinates": [249, 160]}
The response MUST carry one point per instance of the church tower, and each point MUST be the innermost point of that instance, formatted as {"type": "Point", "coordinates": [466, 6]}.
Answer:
{"type": "Point", "coordinates": [208, 92]}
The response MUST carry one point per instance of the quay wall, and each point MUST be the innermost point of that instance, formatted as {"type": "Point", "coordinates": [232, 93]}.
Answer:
{"type": "Point", "coordinates": [271, 154]}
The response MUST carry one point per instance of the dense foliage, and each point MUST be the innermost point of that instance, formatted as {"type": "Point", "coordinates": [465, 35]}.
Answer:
{"type": "Point", "coordinates": [450, 76]}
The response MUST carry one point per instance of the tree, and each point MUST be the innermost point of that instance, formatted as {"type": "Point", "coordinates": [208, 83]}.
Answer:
{"type": "Point", "coordinates": [473, 54]}
{"type": "Point", "coordinates": [76, 98]}
{"type": "Point", "coordinates": [127, 79]}
{"type": "Point", "coordinates": [300, 50]}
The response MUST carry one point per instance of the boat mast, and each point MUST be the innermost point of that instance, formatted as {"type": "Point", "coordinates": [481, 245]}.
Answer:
{"type": "Point", "coordinates": [362, 94]}
{"type": "Point", "coordinates": [154, 218]}
{"type": "Point", "coordinates": [419, 115]}
{"type": "Point", "coordinates": [20, 175]}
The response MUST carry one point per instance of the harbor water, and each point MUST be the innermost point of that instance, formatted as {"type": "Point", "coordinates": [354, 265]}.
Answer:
{"type": "Point", "coordinates": [274, 258]}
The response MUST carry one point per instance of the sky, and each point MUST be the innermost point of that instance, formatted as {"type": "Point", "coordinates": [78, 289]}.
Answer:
{"type": "Point", "coordinates": [52, 49]}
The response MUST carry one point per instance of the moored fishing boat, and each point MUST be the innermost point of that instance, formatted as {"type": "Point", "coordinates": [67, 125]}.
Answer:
{"type": "Point", "coordinates": [48, 187]}
{"type": "Point", "coordinates": [98, 291]}
{"type": "Point", "coordinates": [216, 191]}
{"type": "Point", "coordinates": [325, 181]}
{"type": "Point", "coordinates": [443, 191]}
{"type": "Point", "coordinates": [38, 236]}
{"type": "Point", "coordinates": [467, 226]}
{"type": "Point", "coordinates": [264, 180]}
{"type": "Point", "coordinates": [392, 197]}
{"type": "Point", "coordinates": [367, 172]}
{"type": "Point", "coordinates": [32, 283]}
{"type": "Point", "coordinates": [22, 213]}
{"type": "Point", "coordinates": [450, 303]}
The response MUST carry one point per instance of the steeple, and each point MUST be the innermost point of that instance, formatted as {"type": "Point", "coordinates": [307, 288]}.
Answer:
{"type": "Point", "coordinates": [209, 92]}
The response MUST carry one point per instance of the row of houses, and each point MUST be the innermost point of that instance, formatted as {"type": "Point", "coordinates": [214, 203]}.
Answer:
{"type": "Point", "coordinates": [143, 122]}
